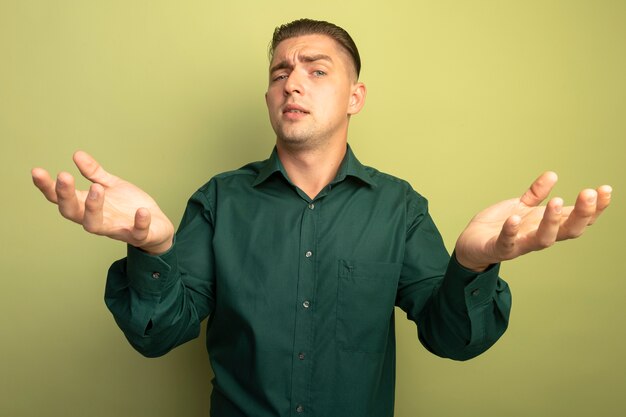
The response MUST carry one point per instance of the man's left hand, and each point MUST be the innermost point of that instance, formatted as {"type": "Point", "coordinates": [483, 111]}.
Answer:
{"type": "Point", "coordinates": [515, 227]}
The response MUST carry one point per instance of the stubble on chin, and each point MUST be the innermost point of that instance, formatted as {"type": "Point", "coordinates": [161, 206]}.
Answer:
{"type": "Point", "coordinates": [301, 140]}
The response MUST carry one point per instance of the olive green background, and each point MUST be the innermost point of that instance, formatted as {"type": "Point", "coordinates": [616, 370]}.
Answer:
{"type": "Point", "coordinates": [468, 100]}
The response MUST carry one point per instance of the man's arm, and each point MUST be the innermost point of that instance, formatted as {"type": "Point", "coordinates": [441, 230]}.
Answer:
{"type": "Point", "coordinates": [157, 303]}
{"type": "Point", "coordinates": [459, 313]}
{"type": "Point", "coordinates": [464, 313]}
{"type": "Point", "coordinates": [160, 301]}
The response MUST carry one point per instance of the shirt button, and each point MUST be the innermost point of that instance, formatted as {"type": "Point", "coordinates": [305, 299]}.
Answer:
{"type": "Point", "coordinates": [311, 206]}
{"type": "Point", "coordinates": [299, 409]}
{"type": "Point", "coordinates": [308, 254]}
{"type": "Point", "coordinates": [301, 356]}
{"type": "Point", "coordinates": [476, 292]}
{"type": "Point", "coordinates": [156, 275]}
{"type": "Point", "coordinates": [306, 304]}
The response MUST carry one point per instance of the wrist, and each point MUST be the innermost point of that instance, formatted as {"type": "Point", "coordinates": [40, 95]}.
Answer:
{"type": "Point", "coordinates": [158, 249]}
{"type": "Point", "coordinates": [468, 264]}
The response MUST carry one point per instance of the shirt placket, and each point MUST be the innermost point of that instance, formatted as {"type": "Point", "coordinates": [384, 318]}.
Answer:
{"type": "Point", "coordinates": [305, 310]}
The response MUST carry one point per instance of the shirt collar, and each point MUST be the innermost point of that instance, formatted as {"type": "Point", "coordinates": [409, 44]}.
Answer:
{"type": "Point", "coordinates": [350, 166]}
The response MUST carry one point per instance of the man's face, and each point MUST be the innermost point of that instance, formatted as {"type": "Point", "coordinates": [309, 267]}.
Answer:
{"type": "Point", "coordinates": [312, 92]}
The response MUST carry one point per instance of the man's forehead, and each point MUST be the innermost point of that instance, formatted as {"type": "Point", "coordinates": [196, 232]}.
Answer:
{"type": "Point", "coordinates": [306, 46]}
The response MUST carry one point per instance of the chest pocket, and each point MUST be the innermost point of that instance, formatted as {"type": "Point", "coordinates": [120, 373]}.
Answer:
{"type": "Point", "coordinates": [366, 293]}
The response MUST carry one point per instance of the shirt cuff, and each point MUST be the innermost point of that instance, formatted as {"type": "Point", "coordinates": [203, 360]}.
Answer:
{"type": "Point", "coordinates": [470, 288]}
{"type": "Point", "coordinates": [151, 273]}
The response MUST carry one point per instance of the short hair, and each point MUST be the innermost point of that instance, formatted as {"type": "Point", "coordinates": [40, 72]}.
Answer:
{"type": "Point", "coordinates": [302, 27]}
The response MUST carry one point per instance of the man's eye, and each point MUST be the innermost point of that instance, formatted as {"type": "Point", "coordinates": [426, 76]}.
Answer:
{"type": "Point", "coordinates": [319, 73]}
{"type": "Point", "coordinates": [280, 77]}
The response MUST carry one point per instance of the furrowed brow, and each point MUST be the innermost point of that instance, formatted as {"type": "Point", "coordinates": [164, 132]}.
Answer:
{"type": "Point", "coordinates": [284, 64]}
{"type": "Point", "coordinates": [281, 65]}
{"type": "Point", "coordinates": [317, 57]}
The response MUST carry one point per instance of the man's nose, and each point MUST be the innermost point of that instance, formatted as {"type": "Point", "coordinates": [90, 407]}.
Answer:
{"type": "Point", "coordinates": [294, 84]}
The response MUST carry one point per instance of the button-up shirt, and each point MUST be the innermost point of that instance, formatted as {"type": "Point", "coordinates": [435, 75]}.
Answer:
{"type": "Point", "coordinates": [300, 292]}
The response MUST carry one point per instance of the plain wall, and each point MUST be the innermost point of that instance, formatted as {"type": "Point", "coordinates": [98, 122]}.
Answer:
{"type": "Point", "coordinates": [468, 100]}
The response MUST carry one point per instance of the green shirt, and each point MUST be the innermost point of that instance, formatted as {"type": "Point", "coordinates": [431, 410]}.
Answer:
{"type": "Point", "coordinates": [300, 292]}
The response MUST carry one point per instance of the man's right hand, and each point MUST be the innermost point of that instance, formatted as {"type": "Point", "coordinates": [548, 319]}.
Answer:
{"type": "Point", "coordinates": [112, 207]}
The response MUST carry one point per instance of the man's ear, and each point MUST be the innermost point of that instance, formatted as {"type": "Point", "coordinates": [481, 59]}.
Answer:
{"type": "Point", "coordinates": [357, 98]}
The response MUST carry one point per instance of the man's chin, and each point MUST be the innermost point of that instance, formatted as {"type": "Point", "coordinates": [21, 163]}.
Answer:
{"type": "Point", "coordinates": [298, 142]}
{"type": "Point", "coordinates": [295, 138]}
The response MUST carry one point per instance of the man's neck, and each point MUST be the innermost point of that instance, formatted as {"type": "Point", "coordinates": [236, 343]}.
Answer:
{"type": "Point", "coordinates": [312, 169]}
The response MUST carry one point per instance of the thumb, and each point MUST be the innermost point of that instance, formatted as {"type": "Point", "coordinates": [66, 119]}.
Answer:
{"type": "Point", "coordinates": [141, 227]}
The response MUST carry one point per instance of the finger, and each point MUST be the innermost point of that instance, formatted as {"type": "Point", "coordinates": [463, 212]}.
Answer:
{"type": "Point", "coordinates": [142, 224]}
{"type": "Point", "coordinates": [45, 183]}
{"type": "Point", "coordinates": [548, 229]}
{"type": "Point", "coordinates": [69, 206]}
{"type": "Point", "coordinates": [604, 199]}
{"type": "Point", "coordinates": [581, 215]}
{"type": "Point", "coordinates": [91, 169]}
{"type": "Point", "coordinates": [539, 189]}
{"type": "Point", "coordinates": [92, 219]}
{"type": "Point", "coordinates": [507, 239]}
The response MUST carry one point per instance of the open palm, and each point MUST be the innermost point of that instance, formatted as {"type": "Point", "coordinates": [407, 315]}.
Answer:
{"type": "Point", "coordinates": [517, 226]}
{"type": "Point", "coordinates": [112, 207]}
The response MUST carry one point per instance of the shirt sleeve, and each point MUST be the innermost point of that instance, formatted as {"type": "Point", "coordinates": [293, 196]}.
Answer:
{"type": "Point", "coordinates": [160, 301]}
{"type": "Point", "coordinates": [459, 313]}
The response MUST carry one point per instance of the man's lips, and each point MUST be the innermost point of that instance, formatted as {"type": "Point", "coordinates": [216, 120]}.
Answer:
{"type": "Point", "coordinates": [294, 109]}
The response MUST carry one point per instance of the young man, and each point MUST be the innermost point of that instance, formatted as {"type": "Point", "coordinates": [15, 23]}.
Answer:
{"type": "Point", "coordinates": [299, 260]}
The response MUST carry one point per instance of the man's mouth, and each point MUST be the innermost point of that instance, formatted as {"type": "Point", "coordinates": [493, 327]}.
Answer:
{"type": "Point", "coordinates": [294, 108]}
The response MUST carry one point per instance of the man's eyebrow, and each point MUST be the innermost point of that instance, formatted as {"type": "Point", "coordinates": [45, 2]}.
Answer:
{"type": "Point", "coordinates": [284, 64]}
{"type": "Point", "coordinates": [313, 58]}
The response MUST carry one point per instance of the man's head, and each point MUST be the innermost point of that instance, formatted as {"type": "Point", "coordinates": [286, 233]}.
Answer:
{"type": "Point", "coordinates": [303, 27]}
{"type": "Point", "coordinates": [313, 84]}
